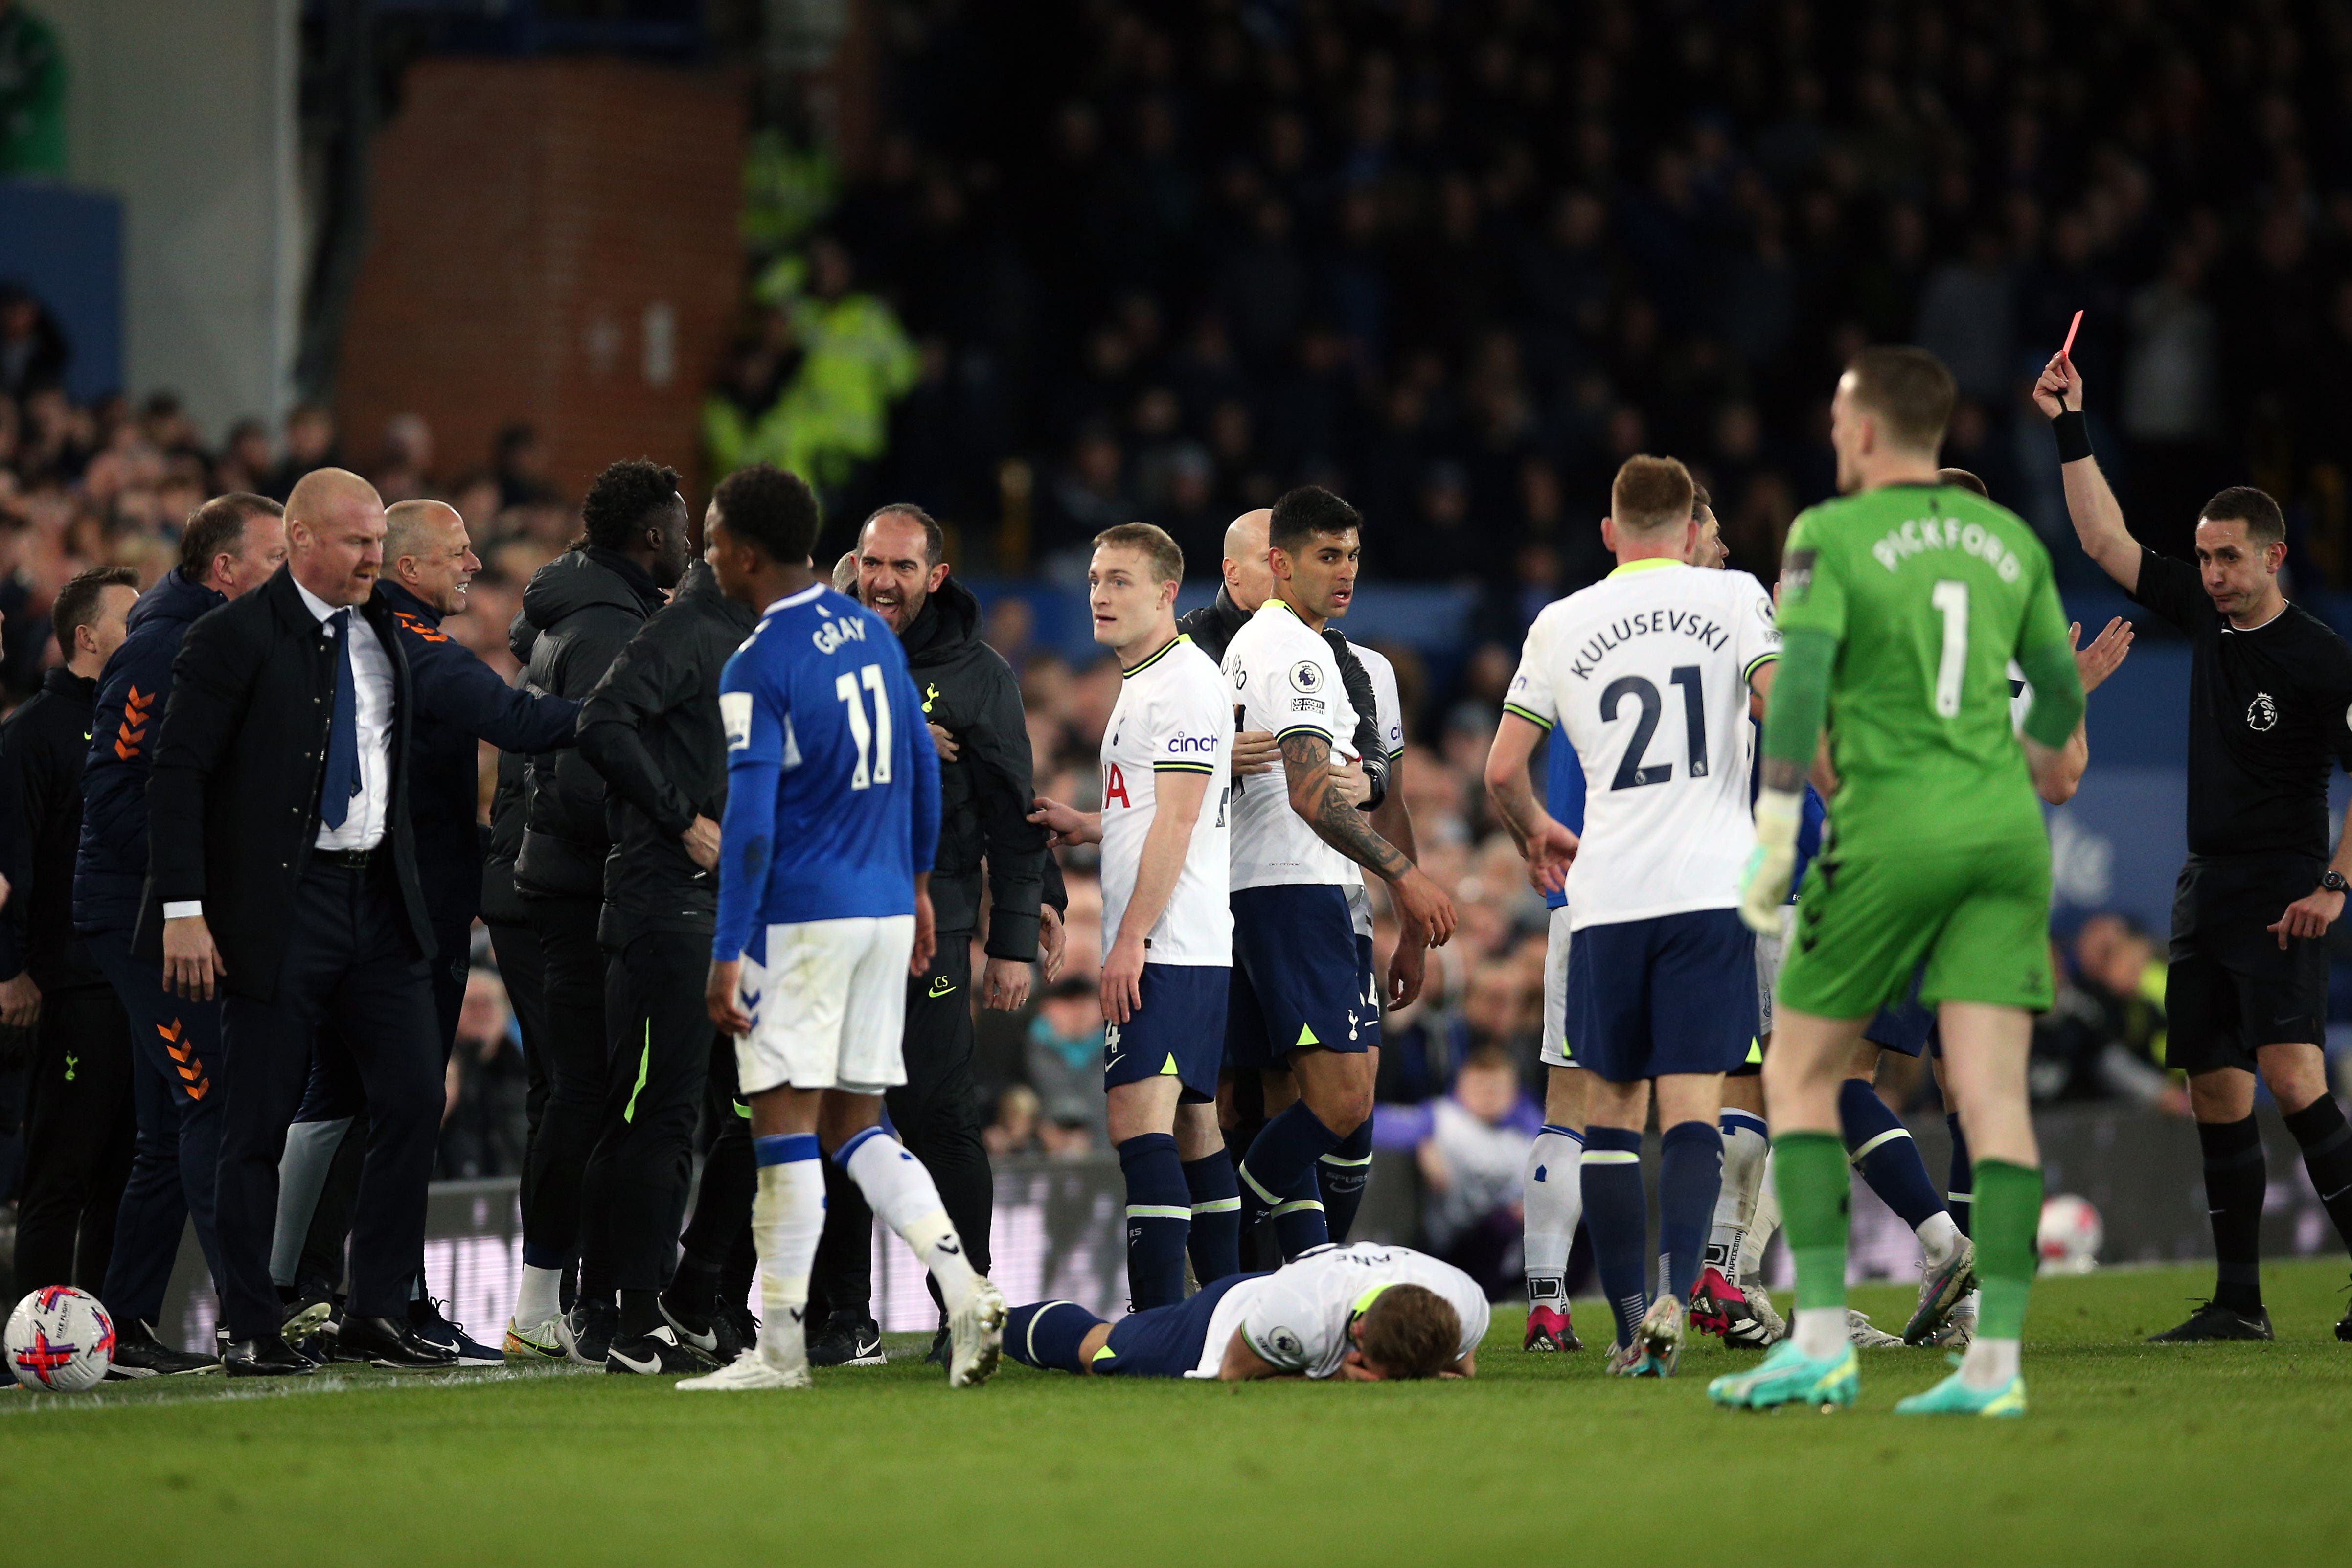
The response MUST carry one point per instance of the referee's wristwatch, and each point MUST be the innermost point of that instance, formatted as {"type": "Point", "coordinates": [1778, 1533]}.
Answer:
{"type": "Point", "coordinates": [2331, 881]}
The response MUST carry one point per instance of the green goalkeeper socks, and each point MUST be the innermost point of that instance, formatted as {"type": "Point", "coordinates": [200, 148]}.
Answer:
{"type": "Point", "coordinates": [1809, 1172]}
{"type": "Point", "coordinates": [2007, 1216]}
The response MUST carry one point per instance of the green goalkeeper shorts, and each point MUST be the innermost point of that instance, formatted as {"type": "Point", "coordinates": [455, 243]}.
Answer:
{"type": "Point", "coordinates": [1981, 919]}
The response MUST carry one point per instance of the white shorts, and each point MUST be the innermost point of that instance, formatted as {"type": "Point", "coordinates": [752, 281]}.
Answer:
{"type": "Point", "coordinates": [1769, 952]}
{"type": "Point", "coordinates": [1555, 1025]}
{"type": "Point", "coordinates": [827, 1000]}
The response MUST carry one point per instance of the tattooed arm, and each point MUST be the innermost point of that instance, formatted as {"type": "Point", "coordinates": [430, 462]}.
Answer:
{"type": "Point", "coordinates": [1324, 807]}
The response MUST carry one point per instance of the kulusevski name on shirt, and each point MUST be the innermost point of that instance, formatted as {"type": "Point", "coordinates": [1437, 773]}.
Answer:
{"type": "Point", "coordinates": [1695, 625]}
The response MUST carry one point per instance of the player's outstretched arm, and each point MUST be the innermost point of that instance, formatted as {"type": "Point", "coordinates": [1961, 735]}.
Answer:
{"type": "Point", "coordinates": [2098, 517]}
{"type": "Point", "coordinates": [1323, 805]}
{"type": "Point", "coordinates": [1067, 824]}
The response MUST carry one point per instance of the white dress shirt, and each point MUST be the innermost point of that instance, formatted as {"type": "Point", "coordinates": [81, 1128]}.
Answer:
{"type": "Point", "coordinates": [363, 824]}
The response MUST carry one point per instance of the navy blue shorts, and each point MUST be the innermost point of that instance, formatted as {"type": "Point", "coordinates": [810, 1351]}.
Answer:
{"type": "Point", "coordinates": [1178, 1031]}
{"type": "Point", "coordinates": [1908, 1028]}
{"type": "Point", "coordinates": [1673, 994]}
{"type": "Point", "coordinates": [1300, 976]}
{"type": "Point", "coordinates": [1165, 1341]}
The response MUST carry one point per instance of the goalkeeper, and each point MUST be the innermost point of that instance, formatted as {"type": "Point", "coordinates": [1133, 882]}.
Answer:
{"type": "Point", "coordinates": [1901, 605]}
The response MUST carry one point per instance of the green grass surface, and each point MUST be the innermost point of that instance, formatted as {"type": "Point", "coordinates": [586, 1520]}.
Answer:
{"type": "Point", "coordinates": [2172, 1455]}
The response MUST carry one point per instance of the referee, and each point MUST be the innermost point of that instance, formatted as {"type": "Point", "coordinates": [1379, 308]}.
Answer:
{"type": "Point", "coordinates": [2270, 703]}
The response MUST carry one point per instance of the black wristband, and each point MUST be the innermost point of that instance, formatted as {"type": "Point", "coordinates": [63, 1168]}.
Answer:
{"type": "Point", "coordinates": [2073, 433]}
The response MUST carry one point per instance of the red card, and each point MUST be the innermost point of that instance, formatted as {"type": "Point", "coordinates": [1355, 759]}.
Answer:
{"type": "Point", "coordinates": [2074, 326]}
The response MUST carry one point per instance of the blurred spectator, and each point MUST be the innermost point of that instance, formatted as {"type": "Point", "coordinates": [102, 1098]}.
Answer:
{"type": "Point", "coordinates": [1065, 1067]}
{"type": "Point", "coordinates": [309, 444]}
{"type": "Point", "coordinates": [1015, 1131]}
{"type": "Point", "coordinates": [2104, 1036]}
{"type": "Point", "coordinates": [484, 1123]}
{"type": "Point", "coordinates": [33, 349]}
{"type": "Point", "coordinates": [519, 459]}
{"type": "Point", "coordinates": [1472, 1162]}
{"type": "Point", "coordinates": [404, 472]}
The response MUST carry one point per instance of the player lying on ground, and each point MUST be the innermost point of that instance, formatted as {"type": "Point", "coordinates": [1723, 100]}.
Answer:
{"type": "Point", "coordinates": [1938, 854]}
{"type": "Point", "coordinates": [1363, 1312]}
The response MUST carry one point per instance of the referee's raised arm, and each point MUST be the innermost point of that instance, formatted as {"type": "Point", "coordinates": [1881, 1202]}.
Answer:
{"type": "Point", "coordinates": [2098, 517]}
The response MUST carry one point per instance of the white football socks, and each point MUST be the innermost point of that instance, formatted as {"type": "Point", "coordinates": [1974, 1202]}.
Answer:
{"type": "Point", "coordinates": [1989, 1363]}
{"type": "Point", "coordinates": [540, 1298]}
{"type": "Point", "coordinates": [1744, 1149]}
{"type": "Point", "coordinates": [1939, 1237]}
{"type": "Point", "coordinates": [787, 1218]}
{"type": "Point", "coordinates": [903, 1194]}
{"type": "Point", "coordinates": [1552, 1207]}
{"type": "Point", "coordinates": [1821, 1332]}
{"type": "Point", "coordinates": [1762, 1224]}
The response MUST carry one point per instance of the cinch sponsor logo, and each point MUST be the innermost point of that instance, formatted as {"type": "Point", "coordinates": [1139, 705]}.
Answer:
{"type": "Point", "coordinates": [1200, 743]}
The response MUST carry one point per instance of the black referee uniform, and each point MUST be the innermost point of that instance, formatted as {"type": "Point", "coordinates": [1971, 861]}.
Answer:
{"type": "Point", "coordinates": [2269, 710]}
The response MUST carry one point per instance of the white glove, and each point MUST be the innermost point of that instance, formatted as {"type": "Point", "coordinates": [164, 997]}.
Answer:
{"type": "Point", "coordinates": [1774, 861]}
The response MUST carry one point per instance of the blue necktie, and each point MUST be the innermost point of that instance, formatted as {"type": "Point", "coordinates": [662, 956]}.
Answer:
{"type": "Point", "coordinates": [342, 779]}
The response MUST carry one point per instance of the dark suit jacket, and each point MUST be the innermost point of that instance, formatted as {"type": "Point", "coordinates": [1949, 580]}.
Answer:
{"type": "Point", "coordinates": [233, 797]}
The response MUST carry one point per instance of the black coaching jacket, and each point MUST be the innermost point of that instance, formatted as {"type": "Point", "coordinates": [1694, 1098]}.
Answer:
{"type": "Point", "coordinates": [232, 797]}
{"type": "Point", "coordinates": [578, 612]}
{"type": "Point", "coordinates": [42, 747]}
{"type": "Point", "coordinates": [985, 794]}
{"type": "Point", "coordinates": [651, 729]}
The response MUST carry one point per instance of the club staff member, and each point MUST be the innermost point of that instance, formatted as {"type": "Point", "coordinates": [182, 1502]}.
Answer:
{"type": "Point", "coordinates": [583, 606]}
{"type": "Point", "coordinates": [985, 798]}
{"type": "Point", "coordinates": [429, 567]}
{"type": "Point", "coordinates": [228, 546]}
{"type": "Point", "coordinates": [80, 1125]}
{"type": "Point", "coordinates": [283, 872]}
{"type": "Point", "coordinates": [652, 730]}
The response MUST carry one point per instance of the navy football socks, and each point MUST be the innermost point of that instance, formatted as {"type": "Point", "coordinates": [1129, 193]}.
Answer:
{"type": "Point", "coordinates": [1216, 1242]}
{"type": "Point", "coordinates": [1048, 1336]}
{"type": "Point", "coordinates": [1960, 1193]}
{"type": "Point", "coordinates": [1278, 1177]}
{"type": "Point", "coordinates": [1158, 1217]}
{"type": "Point", "coordinates": [1617, 1216]}
{"type": "Point", "coordinates": [1880, 1146]}
{"type": "Point", "coordinates": [1690, 1178]}
{"type": "Point", "coordinates": [1339, 1179]}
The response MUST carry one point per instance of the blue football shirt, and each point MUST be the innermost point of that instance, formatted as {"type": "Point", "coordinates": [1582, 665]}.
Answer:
{"type": "Point", "coordinates": [833, 784]}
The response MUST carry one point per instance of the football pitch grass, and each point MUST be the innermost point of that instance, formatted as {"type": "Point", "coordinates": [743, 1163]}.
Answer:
{"type": "Point", "coordinates": [2238, 1453]}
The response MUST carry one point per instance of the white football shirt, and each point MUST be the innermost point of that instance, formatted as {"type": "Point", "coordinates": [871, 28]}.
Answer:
{"type": "Point", "coordinates": [1296, 1318]}
{"type": "Point", "coordinates": [1171, 718]}
{"type": "Point", "coordinates": [1283, 678]}
{"type": "Point", "coordinates": [1646, 673]}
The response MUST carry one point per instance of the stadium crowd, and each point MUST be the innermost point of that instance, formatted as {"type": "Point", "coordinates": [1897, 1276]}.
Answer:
{"type": "Point", "coordinates": [1459, 260]}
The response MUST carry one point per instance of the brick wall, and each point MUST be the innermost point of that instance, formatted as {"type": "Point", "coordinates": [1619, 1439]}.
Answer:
{"type": "Point", "coordinates": [553, 241]}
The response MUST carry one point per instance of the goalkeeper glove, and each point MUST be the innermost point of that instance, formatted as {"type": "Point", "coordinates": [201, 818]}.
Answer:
{"type": "Point", "coordinates": [1774, 861]}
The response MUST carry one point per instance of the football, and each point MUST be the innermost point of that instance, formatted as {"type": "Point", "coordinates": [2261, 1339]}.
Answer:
{"type": "Point", "coordinates": [2070, 1237]}
{"type": "Point", "coordinates": [60, 1339]}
